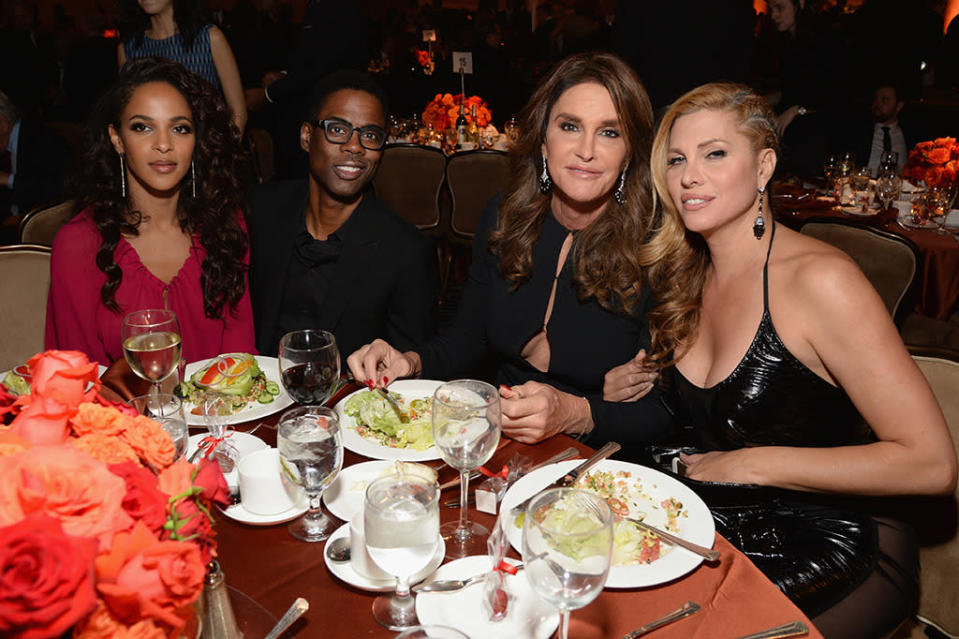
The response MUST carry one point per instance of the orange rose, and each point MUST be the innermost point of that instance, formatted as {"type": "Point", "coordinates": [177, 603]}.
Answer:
{"type": "Point", "coordinates": [939, 156]}
{"type": "Point", "coordinates": [67, 484]}
{"type": "Point", "coordinates": [64, 376]}
{"type": "Point", "coordinates": [944, 141]}
{"type": "Point", "coordinates": [10, 444]}
{"type": "Point", "coordinates": [107, 448]}
{"type": "Point", "coordinates": [43, 421]}
{"type": "Point", "coordinates": [933, 176]}
{"type": "Point", "coordinates": [95, 418]}
{"type": "Point", "coordinates": [140, 577]}
{"type": "Point", "coordinates": [177, 478]}
{"type": "Point", "coordinates": [102, 625]}
{"type": "Point", "coordinates": [925, 146]}
{"type": "Point", "coordinates": [150, 441]}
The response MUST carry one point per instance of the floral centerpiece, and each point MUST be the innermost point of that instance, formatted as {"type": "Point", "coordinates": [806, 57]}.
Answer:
{"type": "Point", "coordinates": [934, 162]}
{"type": "Point", "coordinates": [102, 534]}
{"type": "Point", "coordinates": [425, 60]}
{"type": "Point", "coordinates": [443, 110]}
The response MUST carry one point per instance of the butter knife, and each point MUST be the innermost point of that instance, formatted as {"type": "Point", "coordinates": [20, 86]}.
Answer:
{"type": "Point", "coordinates": [708, 553]}
{"type": "Point", "coordinates": [793, 629]}
{"type": "Point", "coordinates": [389, 398]}
{"type": "Point", "coordinates": [688, 608]}
{"type": "Point", "coordinates": [571, 476]}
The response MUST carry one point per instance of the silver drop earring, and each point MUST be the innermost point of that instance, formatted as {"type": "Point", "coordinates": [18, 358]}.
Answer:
{"type": "Point", "coordinates": [618, 193]}
{"type": "Point", "coordinates": [193, 173]}
{"type": "Point", "coordinates": [123, 177]}
{"type": "Point", "coordinates": [545, 183]}
{"type": "Point", "coordinates": [759, 225]}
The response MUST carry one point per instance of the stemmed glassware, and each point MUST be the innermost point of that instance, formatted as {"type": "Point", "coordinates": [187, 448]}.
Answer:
{"type": "Point", "coordinates": [466, 430]}
{"type": "Point", "coordinates": [309, 365]}
{"type": "Point", "coordinates": [830, 168]}
{"type": "Point", "coordinates": [166, 410]}
{"type": "Point", "coordinates": [887, 189]}
{"type": "Point", "coordinates": [311, 454]}
{"type": "Point", "coordinates": [847, 162]}
{"type": "Point", "coordinates": [938, 201]}
{"type": "Point", "coordinates": [401, 522]}
{"type": "Point", "coordinates": [511, 129]}
{"type": "Point", "coordinates": [151, 344]}
{"type": "Point", "coordinates": [567, 548]}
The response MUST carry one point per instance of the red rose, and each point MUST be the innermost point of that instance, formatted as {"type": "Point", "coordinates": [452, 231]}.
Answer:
{"type": "Point", "coordinates": [195, 526]}
{"type": "Point", "coordinates": [46, 578]}
{"type": "Point", "coordinates": [210, 478]}
{"type": "Point", "coordinates": [143, 500]}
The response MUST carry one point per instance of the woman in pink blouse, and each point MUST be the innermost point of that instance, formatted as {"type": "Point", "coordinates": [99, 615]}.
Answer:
{"type": "Point", "coordinates": [160, 224]}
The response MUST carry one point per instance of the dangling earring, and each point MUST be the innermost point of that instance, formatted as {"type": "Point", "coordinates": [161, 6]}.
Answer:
{"type": "Point", "coordinates": [545, 183]}
{"type": "Point", "coordinates": [193, 173]}
{"type": "Point", "coordinates": [759, 225]}
{"type": "Point", "coordinates": [123, 177]}
{"type": "Point", "coordinates": [618, 193]}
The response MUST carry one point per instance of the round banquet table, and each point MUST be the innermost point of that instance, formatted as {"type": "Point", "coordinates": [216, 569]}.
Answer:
{"type": "Point", "coordinates": [273, 568]}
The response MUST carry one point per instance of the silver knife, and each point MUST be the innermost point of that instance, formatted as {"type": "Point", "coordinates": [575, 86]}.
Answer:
{"type": "Point", "coordinates": [571, 476]}
{"type": "Point", "coordinates": [707, 553]}
{"type": "Point", "coordinates": [794, 629]}
{"type": "Point", "coordinates": [688, 608]}
{"type": "Point", "coordinates": [558, 457]}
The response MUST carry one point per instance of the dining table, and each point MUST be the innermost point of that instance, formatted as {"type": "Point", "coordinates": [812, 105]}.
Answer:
{"type": "Point", "coordinates": [935, 290]}
{"type": "Point", "coordinates": [271, 568]}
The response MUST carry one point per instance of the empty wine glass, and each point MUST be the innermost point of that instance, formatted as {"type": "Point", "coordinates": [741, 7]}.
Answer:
{"type": "Point", "coordinates": [401, 522]}
{"type": "Point", "coordinates": [888, 188]}
{"type": "Point", "coordinates": [567, 548]}
{"type": "Point", "coordinates": [431, 632]}
{"type": "Point", "coordinates": [151, 344]}
{"type": "Point", "coordinates": [311, 454]}
{"type": "Point", "coordinates": [888, 164]}
{"type": "Point", "coordinates": [309, 365]}
{"type": "Point", "coordinates": [166, 410]}
{"type": "Point", "coordinates": [466, 429]}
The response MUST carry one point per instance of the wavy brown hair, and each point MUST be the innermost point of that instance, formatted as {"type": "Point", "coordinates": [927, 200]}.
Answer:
{"type": "Point", "coordinates": [608, 256]}
{"type": "Point", "coordinates": [212, 216]}
{"type": "Point", "coordinates": [681, 258]}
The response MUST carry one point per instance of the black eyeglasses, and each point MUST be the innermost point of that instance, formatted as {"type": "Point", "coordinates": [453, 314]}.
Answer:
{"type": "Point", "coordinates": [339, 131]}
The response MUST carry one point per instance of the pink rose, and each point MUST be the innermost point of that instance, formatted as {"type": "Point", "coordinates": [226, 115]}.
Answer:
{"type": "Point", "coordinates": [63, 376]}
{"type": "Point", "coordinates": [43, 421]}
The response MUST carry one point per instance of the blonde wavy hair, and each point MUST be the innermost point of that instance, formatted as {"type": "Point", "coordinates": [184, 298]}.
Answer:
{"type": "Point", "coordinates": [681, 258]}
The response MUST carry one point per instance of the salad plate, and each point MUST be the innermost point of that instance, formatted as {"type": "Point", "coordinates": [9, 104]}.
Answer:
{"type": "Point", "coordinates": [101, 369]}
{"type": "Point", "coordinates": [252, 411]}
{"type": "Point", "coordinates": [343, 570]}
{"type": "Point", "coordinates": [527, 616]}
{"type": "Point", "coordinates": [344, 497]}
{"type": "Point", "coordinates": [695, 523]}
{"type": "Point", "coordinates": [409, 389]}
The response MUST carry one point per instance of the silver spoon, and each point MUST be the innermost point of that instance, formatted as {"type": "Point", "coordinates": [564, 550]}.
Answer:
{"type": "Point", "coordinates": [339, 549]}
{"type": "Point", "coordinates": [299, 606]}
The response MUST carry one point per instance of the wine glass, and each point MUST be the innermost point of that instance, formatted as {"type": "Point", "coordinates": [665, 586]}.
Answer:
{"type": "Point", "coordinates": [888, 164]}
{"type": "Point", "coordinates": [466, 429]}
{"type": "Point", "coordinates": [431, 632]}
{"type": "Point", "coordinates": [938, 201]}
{"type": "Point", "coordinates": [847, 162]}
{"type": "Point", "coordinates": [567, 548]}
{"type": "Point", "coordinates": [887, 189]}
{"type": "Point", "coordinates": [830, 169]}
{"type": "Point", "coordinates": [151, 344]}
{"type": "Point", "coordinates": [309, 365]}
{"type": "Point", "coordinates": [511, 129]}
{"type": "Point", "coordinates": [311, 454]}
{"type": "Point", "coordinates": [166, 410]}
{"type": "Point", "coordinates": [401, 521]}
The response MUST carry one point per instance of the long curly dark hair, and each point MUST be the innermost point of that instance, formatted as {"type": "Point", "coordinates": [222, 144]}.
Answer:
{"type": "Point", "coordinates": [189, 16]}
{"type": "Point", "coordinates": [609, 254]}
{"type": "Point", "coordinates": [213, 216]}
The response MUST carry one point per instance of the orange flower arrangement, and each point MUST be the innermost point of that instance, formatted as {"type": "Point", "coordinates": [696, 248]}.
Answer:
{"type": "Point", "coordinates": [934, 162]}
{"type": "Point", "coordinates": [443, 110]}
{"type": "Point", "coordinates": [101, 531]}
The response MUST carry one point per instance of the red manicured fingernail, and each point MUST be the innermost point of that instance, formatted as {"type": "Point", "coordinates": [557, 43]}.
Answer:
{"type": "Point", "coordinates": [385, 381]}
{"type": "Point", "coordinates": [369, 384]}
{"type": "Point", "coordinates": [505, 386]}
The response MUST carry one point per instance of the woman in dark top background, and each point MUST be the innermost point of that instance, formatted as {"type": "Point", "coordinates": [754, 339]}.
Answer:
{"type": "Point", "coordinates": [822, 397]}
{"type": "Point", "coordinates": [556, 286]}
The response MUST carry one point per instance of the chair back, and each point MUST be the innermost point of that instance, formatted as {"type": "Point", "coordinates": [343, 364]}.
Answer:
{"type": "Point", "coordinates": [23, 289]}
{"type": "Point", "coordinates": [42, 224]}
{"type": "Point", "coordinates": [938, 524]}
{"type": "Point", "coordinates": [474, 177]}
{"type": "Point", "coordinates": [889, 261]}
{"type": "Point", "coordinates": [408, 181]}
{"type": "Point", "coordinates": [260, 144]}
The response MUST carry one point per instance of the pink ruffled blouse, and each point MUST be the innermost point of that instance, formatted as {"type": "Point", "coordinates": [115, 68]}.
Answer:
{"type": "Point", "coordinates": [78, 320]}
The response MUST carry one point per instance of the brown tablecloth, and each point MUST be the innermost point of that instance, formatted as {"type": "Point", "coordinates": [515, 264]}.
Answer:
{"type": "Point", "coordinates": [936, 291]}
{"type": "Point", "coordinates": [273, 568]}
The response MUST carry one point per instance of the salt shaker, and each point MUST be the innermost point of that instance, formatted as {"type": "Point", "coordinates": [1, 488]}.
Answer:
{"type": "Point", "coordinates": [219, 622]}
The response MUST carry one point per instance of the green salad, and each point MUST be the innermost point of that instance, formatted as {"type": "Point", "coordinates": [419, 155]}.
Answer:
{"type": "Point", "coordinates": [238, 377]}
{"type": "Point", "coordinates": [376, 419]}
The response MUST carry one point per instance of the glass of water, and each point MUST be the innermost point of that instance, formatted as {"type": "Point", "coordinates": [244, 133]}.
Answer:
{"type": "Point", "coordinates": [401, 522]}
{"type": "Point", "coordinates": [311, 454]}
{"type": "Point", "coordinates": [166, 410]}
{"type": "Point", "coordinates": [466, 429]}
{"type": "Point", "coordinates": [567, 547]}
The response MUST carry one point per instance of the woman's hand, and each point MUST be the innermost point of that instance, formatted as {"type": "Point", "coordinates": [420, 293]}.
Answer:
{"type": "Point", "coordinates": [785, 119]}
{"type": "Point", "coordinates": [720, 466]}
{"type": "Point", "coordinates": [533, 412]}
{"type": "Point", "coordinates": [630, 381]}
{"type": "Point", "coordinates": [380, 363]}
{"type": "Point", "coordinates": [122, 382]}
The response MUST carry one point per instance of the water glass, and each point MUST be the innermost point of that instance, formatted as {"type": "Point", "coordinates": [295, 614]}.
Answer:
{"type": "Point", "coordinates": [166, 410]}
{"type": "Point", "coordinates": [401, 520]}
{"type": "Point", "coordinates": [567, 548]}
{"type": "Point", "coordinates": [151, 344]}
{"type": "Point", "coordinates": [311, 454]}
{"type": "Point", "coordinates": [309, 365]}
{"type": "Point", "coordinates": [466, 429]}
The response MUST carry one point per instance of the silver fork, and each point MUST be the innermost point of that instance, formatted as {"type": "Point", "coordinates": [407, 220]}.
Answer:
{"type": "Point", "coordinates": [688, 608]}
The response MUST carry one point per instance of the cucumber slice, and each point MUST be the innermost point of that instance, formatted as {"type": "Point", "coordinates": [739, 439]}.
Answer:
{"type": "Point", "coordinates": [272, 388]}
{"type": "Point", "coordinates": [265, 397]}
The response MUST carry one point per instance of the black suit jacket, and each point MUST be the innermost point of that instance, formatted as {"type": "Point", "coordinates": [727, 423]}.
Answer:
{"type": "Point", "coordinates": [385, 283]}
{"type": "Point", "coordinates": [43, 159]}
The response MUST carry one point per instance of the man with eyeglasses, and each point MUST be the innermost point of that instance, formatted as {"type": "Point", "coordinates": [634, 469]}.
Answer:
{"type": "Point", "coordinates": [324, 253]}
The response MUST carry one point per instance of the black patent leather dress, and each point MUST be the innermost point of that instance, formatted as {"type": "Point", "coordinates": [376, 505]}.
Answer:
{"type": "Point", "coordinates": [817, 548]}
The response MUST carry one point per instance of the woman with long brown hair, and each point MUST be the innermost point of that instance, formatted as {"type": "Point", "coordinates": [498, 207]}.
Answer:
{"type": "Point", "coordinates": [556, 286]}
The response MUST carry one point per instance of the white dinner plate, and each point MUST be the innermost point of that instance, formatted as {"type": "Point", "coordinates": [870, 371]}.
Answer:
{"type": "Point", "coordinates": [352, 440]}
{"type": "Point", "coordinates": [343, 570]}
{"type": "Point", "coordinates": [857, 210]}
{"type": "Point", "coordinates": [238, 513]}
{"type": "Point", "coordinates": [254, 410]}
{"type": "Point", "coordinates": [907, 222]}
{"type": "Point", "coordinates": [697, 526]}
{"type": "Point", "coordinates": [344, 497]}
{"type": "Point", "coordinates": [527, 616]}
